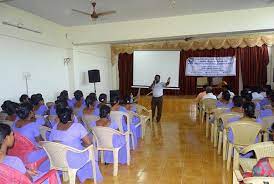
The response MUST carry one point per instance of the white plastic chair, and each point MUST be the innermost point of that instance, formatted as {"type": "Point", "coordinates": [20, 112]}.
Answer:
{"type": "Point", "coordinates": [222, 140]}
{"type": "Point", "coordinates": [118, 116]}
{"type": "Point", "coordinates": [266, 124]}
{"type": "Point", "coordinates": [89, 118]}
{"type": "Point", "coordinates": [57, 154]}
{"type": "Point", "coordinates": [245, 134]}
{"type": "Point", "coordinates": [142, 122]}
{"type": "Point", "coordinates": [43, 131]}
{"type": "Point", "coordinates": [143, 111]}
{"type": "Point", "coordinates": [103, 138]}
{"type": "Point", "coordinates": [207, 106]}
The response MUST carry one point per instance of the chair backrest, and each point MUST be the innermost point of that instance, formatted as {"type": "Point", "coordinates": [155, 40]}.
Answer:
{"type": "Point", "coordinates": [89, 118]}
{"type": "Point", "coordinates": [244, 132]}
{"type": "Point", "coordinates": [11, 175]}
{"type": "Point", "coordinates": [218, 111]}
{"type": "Point", "coordinates": [263, 149]}
{"type": "Point", "coordinates": [57, 154]}
{"type": "Point", "coordinates": [22, 147]}
{"type": "Point", "coordinates": [44, 131]}
{"type": "Point", "coordinates": [226, 117]}
{"type": "Point", "coordinates": [118, 116]}
{"type": "Point", "coordinates": [209, 104]}
{"type": "Point", "coordinates": [103, 136]}
{"type": "Point", "coordinates": [140, 109]}
{"type": "Point", "coordinates": [10, 123]}
{"type": "Point", "coordinates": [267, 122]}
{"type": "Point", "coordinates": [3, 115]}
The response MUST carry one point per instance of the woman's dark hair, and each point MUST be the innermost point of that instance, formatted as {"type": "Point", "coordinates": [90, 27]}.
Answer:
{"type": "Point", "coordinates": [11, 108]}
{"type": "Point", "coordinates": [226, 95]}
{"type": "Point", "coordinates": [104, 111]}
{"type": "Point", "coordinates": [244, 92]}
{"type": "Point", "coordinates": [115, 100]}
{"type": "Point", "coordinates": [237, 101]}
{"type": "Point", "coordinates": [64, 114]}
{"type": "Point", "coordinates": [93, 95]}
{"type": "Point", "coordinates": [61, 104]}
{"type": "Point", "coordinates": [249, 109]}
{"type": "Point", "coordinates": [36, 99]}
{"type": "Point", "coordinates": [90, 100]}
{"type": "Point", "coordinates": [248, 97]}
{"type": "Point", "coordinates": [78, 94]}
{"type": "Point", "coordinates": [5, 104]}
{"type": "Point", "coordinates": [64, 94]}
{"type": "Point", "coordinates": [24, 98]}
{"type": "Point", "coordinates": [5, 130]}
{"type": "Point", "coordinates": [102, 97]}
{"type": "Point", "coordinates": [24, 110]}
{"type": "Point", "coordinates": [127, 100]}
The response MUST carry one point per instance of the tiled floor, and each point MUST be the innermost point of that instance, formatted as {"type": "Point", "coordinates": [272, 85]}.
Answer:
{"type": "Point", "coordinates": [174, 151]}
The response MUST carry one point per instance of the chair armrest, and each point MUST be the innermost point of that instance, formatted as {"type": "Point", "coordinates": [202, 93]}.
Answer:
{"type": "Point", "coordinates": [51, 176]}
{"type": "Point", "coordinates": [268, 180]}
{"type": "Point", "coordinates": [238, 175]}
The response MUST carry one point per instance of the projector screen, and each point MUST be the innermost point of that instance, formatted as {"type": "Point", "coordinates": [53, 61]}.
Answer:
{"type": "Point", "coordinates": [146, 64]}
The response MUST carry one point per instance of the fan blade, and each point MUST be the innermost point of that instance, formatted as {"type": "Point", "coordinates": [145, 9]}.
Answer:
{"type": "Point", "coordinates": [82, 12]}
{"type": "Point", "coordinates": [105, 13]}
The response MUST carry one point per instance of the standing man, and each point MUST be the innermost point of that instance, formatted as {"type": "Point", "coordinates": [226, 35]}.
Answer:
{"type": "Point", "coordinates": [157, 96]}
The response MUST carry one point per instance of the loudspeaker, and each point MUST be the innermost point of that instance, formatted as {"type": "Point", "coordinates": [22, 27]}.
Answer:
{"type": "Point", "coordinates": [114, 94]}
{"type": "Point", "coordinates": [94, 76]}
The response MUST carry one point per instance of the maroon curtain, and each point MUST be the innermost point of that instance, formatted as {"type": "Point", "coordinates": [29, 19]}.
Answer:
{"type": "Point", "coordinates": [125, 67]}
{"type": "Point", "coordinates": [188, 84]}
{"type": "Point", "coordinates": [254, 61]}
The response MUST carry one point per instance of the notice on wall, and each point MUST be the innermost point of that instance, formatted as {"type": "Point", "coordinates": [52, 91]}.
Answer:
{"type": "Point", "coordinates": [211, 66]}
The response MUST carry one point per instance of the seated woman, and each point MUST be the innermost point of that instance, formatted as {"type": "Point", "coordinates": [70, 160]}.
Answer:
{"type": "Point", "coordinates": [28, 127]}
{"type": "Point", "coordinates": [59, 104]}
{"type": "Point", "coordinates": [237, 104]}
{"type": "Point", "coordinates": [79, 106]}
{"type": "Point", "coordinates": [10, 107]}
{"type": "Point", "coordinates": [38, 105]}
{"type": "Point", "coordinates": [65, 96]}
{"type": "Point", "coordinates": [7, 141]}
{"type": "Point", "coordinates": [224, 101]}
{"type": "Point", "coordinates": [90, 106]}
{"type": "Point", "coordinates": [102, 101]}
{"type": "Point", "coordinates": [24, 98]}
{"type": "Point", "coordinates": [74, 135]}
{"type": "Point", "coordinates": [117, 140]}
{"type": "Point", "coordinates": [74, 100]}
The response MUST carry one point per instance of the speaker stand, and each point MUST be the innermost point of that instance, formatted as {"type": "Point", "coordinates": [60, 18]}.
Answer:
{"type": "Point", "coordinates": [94, 88]}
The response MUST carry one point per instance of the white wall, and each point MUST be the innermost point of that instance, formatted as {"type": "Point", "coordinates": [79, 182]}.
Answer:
{"type": "Point", "coordinates": [208, 23]}
{"type": "Point", "coordinates": [44, 63]}
{"type": "Point", "coordinates": [88, 58]}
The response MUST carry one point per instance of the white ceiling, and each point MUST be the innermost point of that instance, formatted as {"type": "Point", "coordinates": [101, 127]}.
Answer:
{"type": "Point", "coordinates": [59, 11]}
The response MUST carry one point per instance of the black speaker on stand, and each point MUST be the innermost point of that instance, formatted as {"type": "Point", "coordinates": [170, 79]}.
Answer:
{"type": "Point", "coordinates": [93, 77]}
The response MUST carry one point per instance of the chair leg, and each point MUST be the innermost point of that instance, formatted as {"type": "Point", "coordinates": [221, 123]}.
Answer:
{"type": "Point", "coordinates": [265, 136]}
{"type": "Point", "coordinates": [215, 135]}
{"type": "Point", "coordinates": [102, 156]}
{"type": "Point", "coordinates": [203, 116]}
{"type": "Point", "coordinates": [212, 132]}
{"type": "Point", "coordinates": [150, 117]}
{"type": "Point", "coordinates": [132, 140]}
{"type": "Point", "coordinates": [72, 176]}
{"type": "Point", "coordinates": [92, 158]}
{"type": "Point", "coordinates": [65, 176]}
{"type": "Point", "coordinates": [224, 145]}
{"type": "Point", "coordinates": [207, 126]}
{"type": "Point", "coordinates": [236, 160]}
{"type": "Point", "coordinates": [229, 156]}
{"type": "Point", "coordinates": [128, 149]}
{"type": "Point", "coordinates": [115, 162]}
{"type": "Point", "coordinates": [220, 142]}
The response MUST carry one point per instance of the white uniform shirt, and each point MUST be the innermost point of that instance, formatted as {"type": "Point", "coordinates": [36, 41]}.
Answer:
{"type": "Point", "coordinates": [230, 92]}
{"type": "Point", "coordinates": [257, 96]}
{"type": "Point", "coordinates": [157, 90]}
{"type": "Point", "coordinates": [210, 96]}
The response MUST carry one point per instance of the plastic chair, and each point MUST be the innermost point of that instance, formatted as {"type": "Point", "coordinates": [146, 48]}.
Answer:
{"type": "Point", "coordinates": [44, 131]}
{"type": "Point", "coordinates": [266, 124]}
{"type": "Point", "coordinates": [118, 116]}
{"type": "Point", "coordinates": [89, 118]}
{"type": "Point", "coordinates": [22, 148]}
{"type": "Point", "coordinates": [103, 137]}
{"type": "Point", "coordinates": [245, 134]}
{"type": "Point", "coordinates": [57, 154]}
{"type": "Point", "coordinates": [143, 111]}
{"type": "Point", "coordinates": [207, 106]}
{"type": "Point", "coordinates": [239, 179]}
{"type": "Point", "coordinates": [11, 175]}
{"type": "Point", "coordinates": [142, 122]}
{"type": "Point", "coordinates": [223, 119]}
{"type": "Point", "coordinates": [261, 150]}
{"type": "Point", "coordinates": [10, 123]}
{"type": "Point", "coordinates": [214, 126]}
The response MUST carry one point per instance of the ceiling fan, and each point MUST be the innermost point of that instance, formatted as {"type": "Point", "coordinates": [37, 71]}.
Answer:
{"type": "Point", "coordinates": [94, 15]}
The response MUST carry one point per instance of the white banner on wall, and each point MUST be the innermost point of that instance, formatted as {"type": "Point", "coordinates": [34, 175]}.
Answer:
{"type": "Point", "coordinates": [211, 66]}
